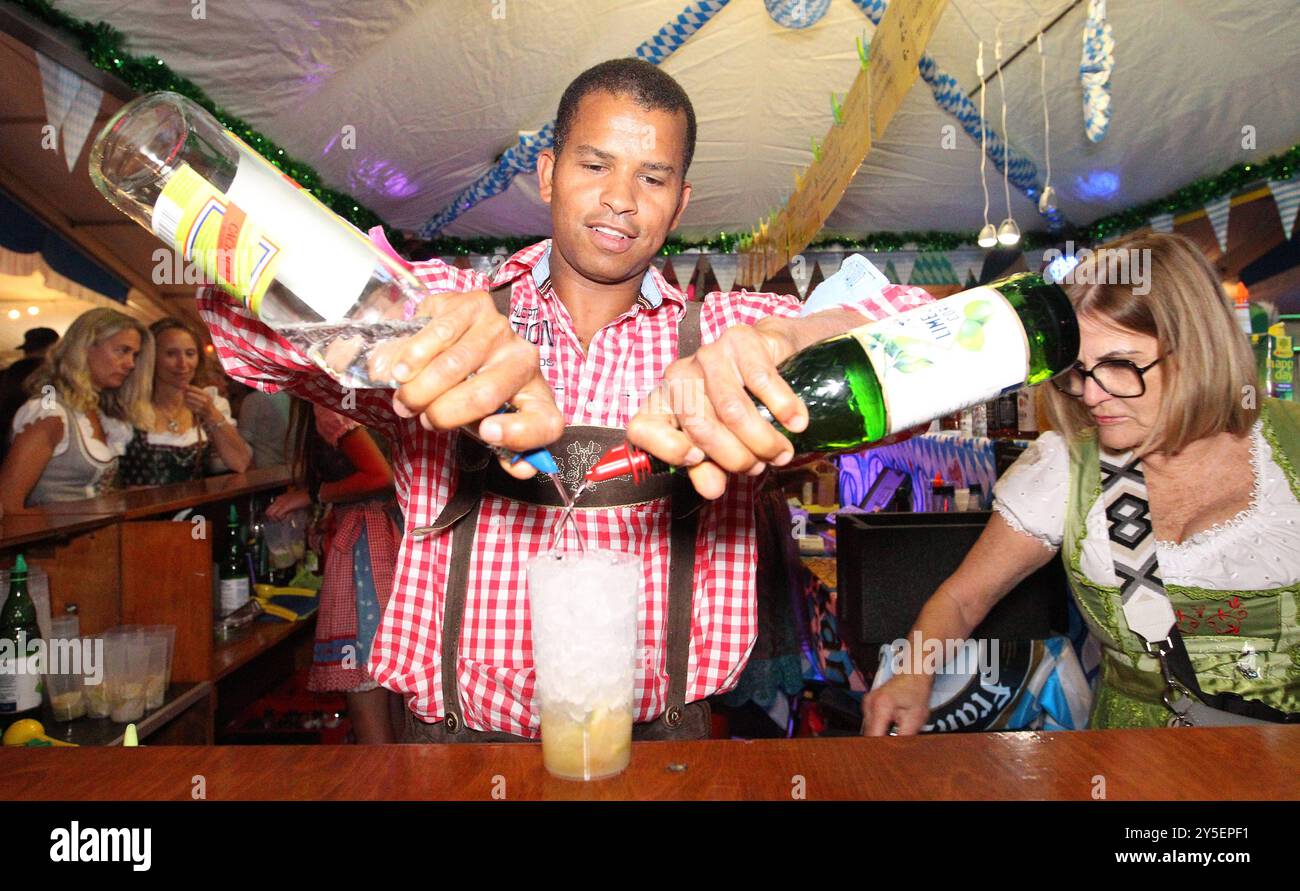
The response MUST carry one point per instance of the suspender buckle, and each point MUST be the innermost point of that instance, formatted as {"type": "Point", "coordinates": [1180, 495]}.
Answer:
{"type": "Point", "coordinates": [1173, 687]}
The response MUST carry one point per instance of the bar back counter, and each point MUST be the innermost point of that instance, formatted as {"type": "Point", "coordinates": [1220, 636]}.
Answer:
{"type": "Point", "coordinates": [124, 559]}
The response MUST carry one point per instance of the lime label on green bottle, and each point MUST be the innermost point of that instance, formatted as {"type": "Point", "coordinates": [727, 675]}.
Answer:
{"type": "Point", "coordinates": [206, 227]}
{"type": "Point", "coordinates": [951, 354]}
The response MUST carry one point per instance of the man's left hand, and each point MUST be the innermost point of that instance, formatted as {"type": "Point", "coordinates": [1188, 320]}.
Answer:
{"type": "Point", "coordinates": [702, 415]}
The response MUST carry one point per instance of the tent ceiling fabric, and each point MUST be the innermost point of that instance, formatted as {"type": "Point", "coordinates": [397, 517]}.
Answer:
{"type": "Point", "coordinates": [436, 90]}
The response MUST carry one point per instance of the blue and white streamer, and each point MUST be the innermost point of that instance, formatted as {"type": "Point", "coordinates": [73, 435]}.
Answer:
{"type": "Point", "coordinates": [949, 96]}
{"type": "Point", "coordinates": [522, 157]}
{"type": "Point", "coordinates": [1286, 193]}
{"type": "Point", "coordinates": [1094, 70]}
{"type": "Point", "coordinates": [1218, 210]}
{"type": "Point", "coordinates": [797, 13]}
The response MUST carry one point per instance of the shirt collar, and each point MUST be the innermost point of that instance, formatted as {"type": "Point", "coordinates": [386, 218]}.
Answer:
{"type": "Point", "coordinates": [536, 261]}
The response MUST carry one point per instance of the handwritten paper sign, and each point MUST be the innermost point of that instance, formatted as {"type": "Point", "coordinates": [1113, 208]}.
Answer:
{"type": "Point", "coordinates": [876, 94]}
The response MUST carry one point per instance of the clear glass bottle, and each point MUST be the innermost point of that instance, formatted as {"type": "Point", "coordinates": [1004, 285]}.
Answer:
{"type": "Point", "coordinates": [310, 275]}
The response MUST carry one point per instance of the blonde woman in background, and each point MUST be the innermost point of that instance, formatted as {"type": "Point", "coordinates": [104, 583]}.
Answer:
{"type": "Point", "coordinates": [86, 400]}
{"type": "Point", "coordinates": [192, 434]}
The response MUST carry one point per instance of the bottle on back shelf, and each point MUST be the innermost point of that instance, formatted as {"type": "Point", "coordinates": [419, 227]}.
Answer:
{"type": "Point", "coordinates": [894, 374]}
{"type": "Point", "coordinates": [1003, 416]}
{"type": "Point", "coordinates": [21, 687]}
{"type": "Point", "coordinates": [1027, 410]}
{"type": "Point", "coordinates": [979, 414]}
{"type": "Point", "coordinates": [233, 572]}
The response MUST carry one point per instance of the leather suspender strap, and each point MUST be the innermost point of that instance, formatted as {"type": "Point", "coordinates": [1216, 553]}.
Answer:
{"type": "Point", "coordinates": [501, 299]}
{"type": "Point", "coordinates": [686, 504]}
{"type": "Point", "coordinates": [461, 515]}
{"type": "Point", "coordinates": [688, 330]}
{"type": "Point", "coordinates": [681, 592]}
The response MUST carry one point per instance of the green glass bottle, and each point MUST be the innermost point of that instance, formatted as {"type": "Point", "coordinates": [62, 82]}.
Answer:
{"type": "Point", "coordinates": [233, 572]}
{"type": "Point", "coordinates": [21, 688]}
{"type": "Point", "coordinates": [897, 373]}
{"type": "Point", "coordinates": [893, 374]}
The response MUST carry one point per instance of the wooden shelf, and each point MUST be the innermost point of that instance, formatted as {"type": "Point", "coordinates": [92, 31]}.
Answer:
{"type": "Point", "coordinates": [152, 501]}
{"type": "Point", "coordinates": [105, 732]}
{"type": "Point", "coordinates": [65, 518]}
{"type": "Point", "coordinates": [38, 525]}
{"type": "Point", "coordinates": [250, 642]}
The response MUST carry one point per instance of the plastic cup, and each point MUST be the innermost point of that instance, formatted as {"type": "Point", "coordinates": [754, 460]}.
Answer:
{"type": "Point", "coordinates": [169, 632]}
{"type": "Point", "coordinates": [278, 536]}
{"type": "Point", "coordinates": [155, 681]}
{"type": "Point", "coordinates": [127, 656]}
{"type": "Point", "coordinates": [95, 690]}
{"type": "Point", "coordinates": [584, 628]}
{"type": "Point", "coordinates": [63, 685]}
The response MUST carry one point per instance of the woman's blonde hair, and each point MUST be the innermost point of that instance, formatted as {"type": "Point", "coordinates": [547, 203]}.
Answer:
{"type": "Point", "coordinates": [67, 370]}
{"type": "Point", "coordinates": [1210, 380]}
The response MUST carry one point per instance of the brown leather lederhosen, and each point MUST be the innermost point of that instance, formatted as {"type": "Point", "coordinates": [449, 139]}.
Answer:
{"type": "Point", "coordinates": [479, 473]}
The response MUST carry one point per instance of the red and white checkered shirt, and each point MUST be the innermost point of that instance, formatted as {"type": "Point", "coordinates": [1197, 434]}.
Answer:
{"type": "Point", "coordinates": [623, 363]}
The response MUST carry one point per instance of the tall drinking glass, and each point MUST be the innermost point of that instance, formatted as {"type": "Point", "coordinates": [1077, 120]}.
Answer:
{"type": "Point", "coordinates": [584, 621]}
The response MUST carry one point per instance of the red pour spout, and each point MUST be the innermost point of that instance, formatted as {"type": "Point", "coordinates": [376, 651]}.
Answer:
{"type": "Point", "coordinates": [621, 461]}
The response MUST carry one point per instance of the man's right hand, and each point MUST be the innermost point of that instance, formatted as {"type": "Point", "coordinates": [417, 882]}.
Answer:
{"type": "Point", "coordinates": [462, 367]}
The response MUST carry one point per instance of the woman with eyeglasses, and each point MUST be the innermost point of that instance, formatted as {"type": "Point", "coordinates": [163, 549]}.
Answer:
{"type": "Point", "coordinates": [1171, 489]}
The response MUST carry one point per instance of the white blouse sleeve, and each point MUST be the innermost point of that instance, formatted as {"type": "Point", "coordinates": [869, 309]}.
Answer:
{"type": "Point", "coordinates": [34, 410]}
{"type": "Point", "coordinates": [1033, 494]}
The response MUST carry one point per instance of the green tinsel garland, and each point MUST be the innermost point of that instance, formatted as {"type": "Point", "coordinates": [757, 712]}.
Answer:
{"type": "Point", "coordinates": [103, 46]}
{"type": "Point", "coordinates": [726, 243]}
{"type": "Point", "coordinates": [1196, 195]}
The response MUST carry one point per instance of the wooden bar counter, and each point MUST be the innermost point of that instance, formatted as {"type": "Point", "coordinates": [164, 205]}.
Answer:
{"type": "Point", "coordinates": [1136, 764]}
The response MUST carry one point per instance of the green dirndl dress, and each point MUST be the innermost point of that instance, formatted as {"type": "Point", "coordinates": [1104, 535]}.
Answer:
{"type": "Point", "coordinates": [1217, 625]}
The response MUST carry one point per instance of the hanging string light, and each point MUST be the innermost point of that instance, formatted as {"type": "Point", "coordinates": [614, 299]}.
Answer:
{"type": "Point", "coordinates": [988, 236]}
{"type": "Point", "coordinates": [1008, 232]}
{"type": "Point", "coordinates": [1047, 199]}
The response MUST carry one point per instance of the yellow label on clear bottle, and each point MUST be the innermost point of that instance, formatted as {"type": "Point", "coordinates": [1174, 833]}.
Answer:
{"type": "Point", "coordinates": [204, 226]}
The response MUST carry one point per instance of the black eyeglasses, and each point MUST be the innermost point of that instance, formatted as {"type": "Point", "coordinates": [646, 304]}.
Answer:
{"type": "Point", "coordinates": [1118, 377]}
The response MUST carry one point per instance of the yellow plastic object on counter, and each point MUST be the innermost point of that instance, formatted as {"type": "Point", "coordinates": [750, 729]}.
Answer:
{"type": "Point", "coordinates": [289, 604]}
{"type": "Point", "coordinates": [130, 739]}
{"type": "Point", "coordinates": [30, 732]}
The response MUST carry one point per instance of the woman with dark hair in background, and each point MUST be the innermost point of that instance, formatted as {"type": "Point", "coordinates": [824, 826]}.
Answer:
{"type": "Point", "coordinates": [192, 434]}
{"type": "Point", "coordinates": [337, 462]}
